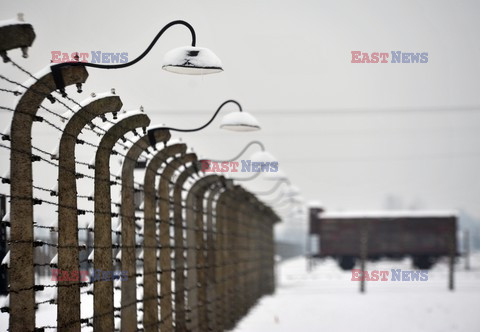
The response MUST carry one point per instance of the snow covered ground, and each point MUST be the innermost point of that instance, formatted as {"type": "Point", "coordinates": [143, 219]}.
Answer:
{"type": "Point", "coordinates": [327, 300]}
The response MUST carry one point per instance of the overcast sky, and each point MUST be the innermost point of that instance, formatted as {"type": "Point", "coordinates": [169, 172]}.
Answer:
{"type": "Point", "coordinates": [352, 135]}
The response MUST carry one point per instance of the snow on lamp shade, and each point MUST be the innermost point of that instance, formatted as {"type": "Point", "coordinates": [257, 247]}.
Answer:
{"type": "Point", "coordinates": [191, 60]}
{"type": "Point", "coordinates": [239, 121]}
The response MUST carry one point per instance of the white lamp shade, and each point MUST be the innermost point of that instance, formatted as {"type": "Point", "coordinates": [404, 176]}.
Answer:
{"type": "Point", "coordinates": [239, 121]}
{"type": "Point", "coordinates": [191, 60]}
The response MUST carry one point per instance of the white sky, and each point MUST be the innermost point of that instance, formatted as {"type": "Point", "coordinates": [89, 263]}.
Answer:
{"type": "Point", "coordinates": [346, 134]}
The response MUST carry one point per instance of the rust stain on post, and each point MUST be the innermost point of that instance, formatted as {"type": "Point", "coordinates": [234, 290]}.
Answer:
{"type": "Point", "coordinates": [21, 273]}
{"type": "Point", "coordinates": [129, 286]}
{"type": "Point", "coordinates": [103, 290]}
{"type": "Point", "coordinates": [150, 281]}
{"type": "Point", "coordinates": [68, 309]}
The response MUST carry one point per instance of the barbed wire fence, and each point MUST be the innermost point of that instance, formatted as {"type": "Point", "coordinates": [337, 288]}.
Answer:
{"type": "Point", "coordinates": [178, 251]}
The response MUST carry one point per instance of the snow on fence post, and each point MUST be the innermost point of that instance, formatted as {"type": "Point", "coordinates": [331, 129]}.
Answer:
{"type": "Point", "coordinates": [68, 309]}
{"type": "Point", "coordinates": [21, 273]}
{"type": "Point", "coordinates": [103, 319]}
{"type": "Point", "coordinates": [166, 309]}
{"type": "Point", "coordinates": [150, 294]}
{"type": "Point", "coordinates": [129, 287]}
{"type": "Point", "coordinates": [179, 298]}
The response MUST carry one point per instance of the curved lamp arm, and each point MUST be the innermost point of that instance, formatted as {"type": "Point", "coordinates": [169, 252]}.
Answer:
{"type": "Point", "coordinates": [153, 130]}
{"type": "Point", "coordinates": [56, 68]}
{"type": "Point", "coordinates": [241, 152]}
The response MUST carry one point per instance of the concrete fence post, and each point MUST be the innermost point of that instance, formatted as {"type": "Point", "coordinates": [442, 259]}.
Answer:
{"type": "Point", "coordinates": [150, 281]}
{"type": "Point", "coordinates": [196, 260]}
{"type": "Point", "coordinates": [68, 309]}
{"type": "Point", "coordinates": [21, 273]}
{"type": "Point", "coordinates": [103, 290]}
{"type": "Point", "coordinates": [180, 245]}
{"type": "Point", "coordinates": [212, 234]}
{"type": "Point", "coordinates": [127, 210]}
{"type": "Point", "coordinates": [221, 258]}
{"type": "Point", "coordinates": [166, 309]}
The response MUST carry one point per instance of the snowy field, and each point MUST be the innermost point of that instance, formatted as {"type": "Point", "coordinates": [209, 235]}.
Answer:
{"type": "Point", "coordinates": [327, 300]}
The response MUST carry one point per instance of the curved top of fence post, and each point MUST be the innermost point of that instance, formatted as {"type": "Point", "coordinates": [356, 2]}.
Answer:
{"type": "Point", "coordinates": [68, 308]}
{"type": "Point", "coordinates": [95, 108]}
{"type": "Point", "coordinates": [117, 131]}
{"type": "Point", "coordinates": [138, 148]}
{"type": "Point", "coordinates": [22, 305]}
{"type": "Point", "coordinates": [103, 291]}
{"type": "Point", "coordinates": [159, 159]}
{"type": "Point", "coordinates": [129, 286]}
